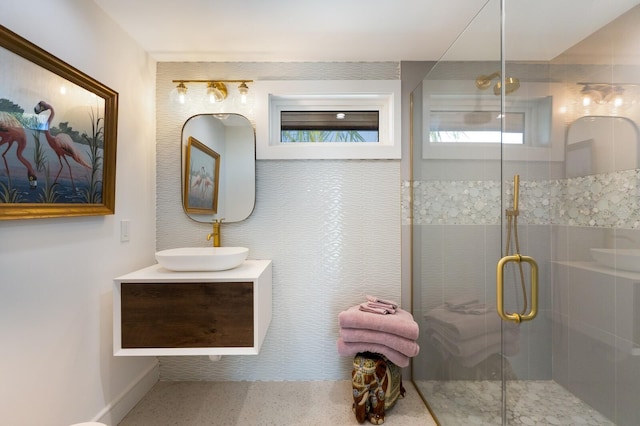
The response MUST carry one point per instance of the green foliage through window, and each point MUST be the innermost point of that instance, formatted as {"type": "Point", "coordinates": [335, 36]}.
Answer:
{"type": "Point", "coordinates": [328, 136]}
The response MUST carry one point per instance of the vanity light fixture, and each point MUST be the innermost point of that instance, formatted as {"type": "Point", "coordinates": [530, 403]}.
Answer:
{"type": "Point", "coordinates": [216, 89]}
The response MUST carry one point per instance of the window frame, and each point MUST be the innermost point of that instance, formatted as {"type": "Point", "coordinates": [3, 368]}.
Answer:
{"type": "Point", "coordinates": [326, 95]}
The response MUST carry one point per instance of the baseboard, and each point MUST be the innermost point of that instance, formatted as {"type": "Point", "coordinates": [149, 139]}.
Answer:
{"type": "Point", "coordinates": [117, 409]}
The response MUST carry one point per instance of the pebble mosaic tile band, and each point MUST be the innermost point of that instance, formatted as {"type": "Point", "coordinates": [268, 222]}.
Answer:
{"type": "Point", "coordinates": [608, 200]}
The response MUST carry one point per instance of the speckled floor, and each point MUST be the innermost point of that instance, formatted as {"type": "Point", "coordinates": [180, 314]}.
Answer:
{"type": "Point", "coordinates": [530, 402]}
{"type": "Point", "coordinates": [262, 404]}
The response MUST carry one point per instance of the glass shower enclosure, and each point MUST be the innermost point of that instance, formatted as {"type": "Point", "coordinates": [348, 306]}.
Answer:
{"type": "Point", "coordinates": [525, 146]}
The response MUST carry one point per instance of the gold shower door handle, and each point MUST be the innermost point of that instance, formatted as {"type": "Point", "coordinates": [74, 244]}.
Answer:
{"type": "Point", "coordinates": [515, 317]}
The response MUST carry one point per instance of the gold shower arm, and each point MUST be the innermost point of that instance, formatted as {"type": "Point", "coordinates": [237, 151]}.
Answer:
{"type": "Point", "coordinates": [484, 81]}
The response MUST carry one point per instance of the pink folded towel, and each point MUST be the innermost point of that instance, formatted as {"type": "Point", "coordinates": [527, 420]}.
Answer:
{"type": "Point", "coordinates": [460, 302]}
{"type": "Point", "coordinates": [375, 299]}
{"type": "Point", "coordinates": [473, 309]}
{"type": "Point", "coordinates": [351, 349]}
{"type": "Point", "coordinates": [383, 305]}
{"type": "Point", "coordinates": [377, 308]}
{"type": "Point", "coordinates": [468, 347]}
{"type": "Point", "coordinates": [401, 324]}
{"type": "Point", "coordinates": [460, 326]}
{"type": "Point", "coordinates": [356, 335]}
{"type": "Point", "coordinates": [470, 360]}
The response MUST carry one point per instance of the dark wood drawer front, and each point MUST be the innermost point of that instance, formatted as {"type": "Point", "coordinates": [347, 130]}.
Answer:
{"type": "Point", "coordinates": [187, 315]}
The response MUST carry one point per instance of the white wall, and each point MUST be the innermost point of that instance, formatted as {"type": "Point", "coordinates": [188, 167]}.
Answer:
{"type": "Point", "coordinates": [56, 275]}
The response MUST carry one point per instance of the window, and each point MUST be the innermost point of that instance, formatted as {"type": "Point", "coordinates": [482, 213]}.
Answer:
{"type": "Point", "coordinates": [329, 126]}
{"type": "Point", "coordinates": [328, 119]}
{"type": "Point", "coordinates": [476, 127]}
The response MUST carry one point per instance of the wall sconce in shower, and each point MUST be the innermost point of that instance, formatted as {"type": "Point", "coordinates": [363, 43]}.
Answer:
{"type": "Point", "coordinates": [483, 82]}
{"type": "Point", "coordinates": [216, 89]}
{"type": "Point", "coordinates": [602, 93]}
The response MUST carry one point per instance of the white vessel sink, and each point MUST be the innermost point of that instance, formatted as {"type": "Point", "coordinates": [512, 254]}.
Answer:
{"type": "Point", "coordinates": [202, 258]}
{"type": "Point", "coordinates": [625, 259]}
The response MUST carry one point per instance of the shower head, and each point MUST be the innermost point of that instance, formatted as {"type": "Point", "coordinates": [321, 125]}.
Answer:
{"type": "Point", "coordinates": [511, 84]}
{"type": "Point", "coordinates": [483, 82]}
{"type": "Point", "coordinates": [516, 192]}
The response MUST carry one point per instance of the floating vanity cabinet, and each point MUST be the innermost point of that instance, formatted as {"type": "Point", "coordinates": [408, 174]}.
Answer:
{"type": "Point", "coordinates": [161, 312]}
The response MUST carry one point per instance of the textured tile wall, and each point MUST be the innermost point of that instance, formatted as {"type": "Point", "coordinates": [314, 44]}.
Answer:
{"type": "Point", "coordinates": [332, 229]}
{"type": "Point", "coordinates": [609, 200]}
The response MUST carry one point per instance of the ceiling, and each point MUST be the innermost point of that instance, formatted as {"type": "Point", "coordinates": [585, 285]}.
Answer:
{"type": "Point", "coordinates": [355, 30]}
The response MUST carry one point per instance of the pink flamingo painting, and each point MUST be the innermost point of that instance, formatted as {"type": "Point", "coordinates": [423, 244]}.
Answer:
{"type": "Point", "coordinates": [197, 182]}
{"type": "Point", "coordinates": [206, 184]}
{"type": "Point", "coordinates": [62, 144]}
{"type": "Point", "coordinates": [11, 131]}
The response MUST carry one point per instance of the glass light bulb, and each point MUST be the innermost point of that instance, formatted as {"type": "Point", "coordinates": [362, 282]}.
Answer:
{"type": "Point", "coordinates": [181, 90]}
{"type": "Point", "coordinates": [243, 89]}
{"type": "Point", "coordinates": [618, 101]}
{"type": "Point", "coordinates": [216, 91]}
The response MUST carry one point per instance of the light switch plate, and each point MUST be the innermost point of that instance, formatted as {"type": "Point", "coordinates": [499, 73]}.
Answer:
{"type": "Point", "coordinates": [124, 230]}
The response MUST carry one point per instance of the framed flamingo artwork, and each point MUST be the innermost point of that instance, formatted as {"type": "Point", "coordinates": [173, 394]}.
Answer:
{"type": "Point", "coordinates": [57, 136]}
{"type": "Point", "coordinates": [202, 172]}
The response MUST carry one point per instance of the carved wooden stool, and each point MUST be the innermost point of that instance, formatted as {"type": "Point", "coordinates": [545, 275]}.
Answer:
{"type": "Point", "coordinates": [377, 385]}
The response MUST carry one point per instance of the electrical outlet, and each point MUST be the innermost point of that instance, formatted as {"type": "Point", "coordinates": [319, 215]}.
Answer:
{"type": "Point", "coordinates": [124, 230]}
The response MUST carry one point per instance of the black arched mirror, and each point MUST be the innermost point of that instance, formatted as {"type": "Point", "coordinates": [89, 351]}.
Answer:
{"type": "Point", "coordinates": [218, 167]}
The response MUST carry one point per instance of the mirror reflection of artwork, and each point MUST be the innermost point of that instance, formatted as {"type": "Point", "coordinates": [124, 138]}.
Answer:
{"type": "Point", "coordinates": [233, 137]}
{"type": "Point", "coordinates": [201, 180]}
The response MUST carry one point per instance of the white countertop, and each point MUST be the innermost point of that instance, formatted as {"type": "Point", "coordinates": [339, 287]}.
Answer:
{"type": "Point", "coordinates": [249, 270]}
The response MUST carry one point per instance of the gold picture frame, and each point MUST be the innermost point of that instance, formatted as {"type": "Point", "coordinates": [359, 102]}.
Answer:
{"type": "Point", "coordinates": [58, 136]}
{"type": "Point", "coordinates": [201, 178]}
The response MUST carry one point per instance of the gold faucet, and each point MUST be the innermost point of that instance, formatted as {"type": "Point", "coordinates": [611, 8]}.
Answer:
{"type": "Point", "coordinates": [216, 233]}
